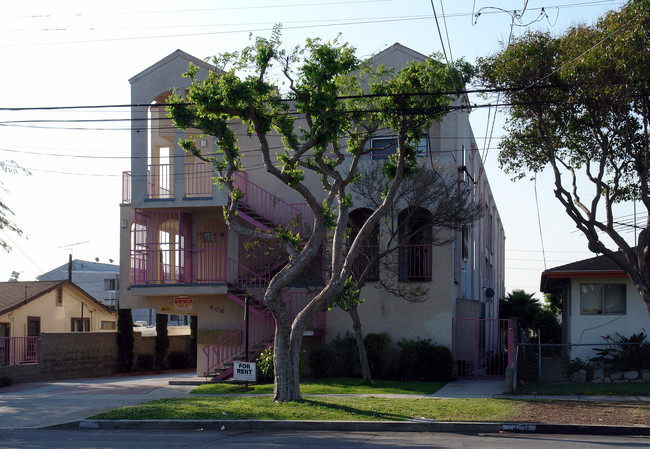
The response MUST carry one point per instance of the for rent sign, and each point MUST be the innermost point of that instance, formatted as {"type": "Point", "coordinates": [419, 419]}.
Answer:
{"type": "Point", "coordinates": [244, 371]}
{"type": "Point", "coordinates": [183, 304]}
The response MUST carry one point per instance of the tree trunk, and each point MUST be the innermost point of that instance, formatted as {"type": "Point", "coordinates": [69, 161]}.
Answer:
{"type": "Point", "coordinates": [363, 356]}
{"type": "Point", "coordinates": [286, 385]}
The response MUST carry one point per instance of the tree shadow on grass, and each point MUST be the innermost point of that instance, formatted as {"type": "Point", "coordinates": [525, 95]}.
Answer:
{"type": "Point", "coordinates": [374, 414]}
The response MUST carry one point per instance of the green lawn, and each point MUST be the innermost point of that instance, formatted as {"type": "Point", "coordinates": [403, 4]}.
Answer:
{"type": "Point", "coordinates": [624, 389]}
{"type": "Point", "coordinates": [321, 408]}
{"type": "Point", "coordinates": [330, 386]}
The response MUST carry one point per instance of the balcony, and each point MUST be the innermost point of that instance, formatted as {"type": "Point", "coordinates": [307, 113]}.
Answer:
{"type": "Point", "coordinates": [166, 266]}
{"type": "Point", "coordinates": [198, 180]}
{"type": "Point", "coordinates": [160, 183]}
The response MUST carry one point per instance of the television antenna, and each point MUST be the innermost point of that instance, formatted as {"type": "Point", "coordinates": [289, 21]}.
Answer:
{"type": "Point", "coordinates": [72, 245]}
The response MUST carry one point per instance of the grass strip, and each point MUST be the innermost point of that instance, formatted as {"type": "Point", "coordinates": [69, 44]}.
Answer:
{"type": "Point", "coordinates": [321, 408]}
{"type": "Point", "coordinates": [592, 389]}
{"type": "Point", "coordinates": [329, 386]}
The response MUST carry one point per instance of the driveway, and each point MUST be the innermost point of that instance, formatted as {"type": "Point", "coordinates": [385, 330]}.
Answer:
{"type": "Point", "coordinates": [33, 405]}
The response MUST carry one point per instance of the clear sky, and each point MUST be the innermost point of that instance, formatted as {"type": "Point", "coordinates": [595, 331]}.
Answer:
{"type": "Point", "coordinates": [72, 53]}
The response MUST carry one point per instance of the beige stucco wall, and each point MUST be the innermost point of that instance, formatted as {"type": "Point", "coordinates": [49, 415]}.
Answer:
{"type": "Point", "coordinates": [57, 319]}
{"type": "Point", "coordinates": [381, 312]}
{"type": "Point", "coordinates": [591, 328]}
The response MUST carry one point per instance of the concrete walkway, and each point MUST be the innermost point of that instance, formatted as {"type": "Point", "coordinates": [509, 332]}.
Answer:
{"type": "Point", "coordinates": [44, 404]}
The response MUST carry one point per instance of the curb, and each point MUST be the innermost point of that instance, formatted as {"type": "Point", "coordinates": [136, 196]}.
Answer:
{"type": "Point", "coordinates": [356, 426]}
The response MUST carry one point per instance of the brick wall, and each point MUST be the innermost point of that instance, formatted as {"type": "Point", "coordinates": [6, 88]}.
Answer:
{"type": "Point", "coordinates": [80, 355]}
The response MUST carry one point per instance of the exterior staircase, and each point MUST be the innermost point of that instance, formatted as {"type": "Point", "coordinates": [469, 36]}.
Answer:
{"type": "Point", "coordinates": [265, 211]}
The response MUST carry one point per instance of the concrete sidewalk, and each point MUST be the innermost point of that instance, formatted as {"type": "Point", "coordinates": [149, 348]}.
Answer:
{"type": "Point", "coordinates": [45, 404]}
{"type": "Point", "coordinates": [66, 404]}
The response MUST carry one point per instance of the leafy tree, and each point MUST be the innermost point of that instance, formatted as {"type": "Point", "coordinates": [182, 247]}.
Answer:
{"type": "Point", "coordinates": [531, 315]}
{"type": "Point", "coordinates": [325, 120]}
{"type": "Point", "coordinates": [580, 105]}
{"type": "Point", "coordinates": [14, 276]}
{"type": "Point", "coordinates": [5, 211]}
{"type": "Point", "coordinates": [521, 305]}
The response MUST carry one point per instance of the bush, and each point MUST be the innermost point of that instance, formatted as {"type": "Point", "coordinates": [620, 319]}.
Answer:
{"type": "Point", "coordinates": [180, 360]}
{"type": "Point", "coordinates": [5, 381]}
{"type": "Point", "coordinates": [162, 341]}
{"type": "Point", "coordinates": [421, 360]}
{"type": "Point", "coordinates": [319, 362]}
{"type": "Point", "coordinates": [124, 340]}
{"type": "Point", "coordinates": [265, 369]}
{"type": "Point", "coordinates": [338, 358]}
{"type": "Point", "coordinates": [145, 362]}
{"type": "Point", "coordinates": [625, 353]}
{"type": "Point", "coordinates": [377, 350]}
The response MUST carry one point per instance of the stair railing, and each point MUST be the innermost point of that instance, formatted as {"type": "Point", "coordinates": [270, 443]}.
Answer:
{"type": "Point", "coordinates": [269, 206]}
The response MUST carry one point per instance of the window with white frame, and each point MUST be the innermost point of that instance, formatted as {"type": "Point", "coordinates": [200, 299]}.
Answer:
{"type": "Point", "coordinates": [602, 299]}
{"type": "Point", "coordinates": [386, 146]}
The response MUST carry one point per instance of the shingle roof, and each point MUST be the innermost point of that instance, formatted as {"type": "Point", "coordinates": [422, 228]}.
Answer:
{"type": "Point", "coordinates": [553, 278]}
{"type": "Point", "coordinates": [598, 263]}
{"type": "Point", "coordinates": [15, 294]}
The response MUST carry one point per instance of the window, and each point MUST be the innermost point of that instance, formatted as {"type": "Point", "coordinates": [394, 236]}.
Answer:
{"type": "Point", "coordinates": [59, 297]}
{"type": "Point", "coordinates": [370, 248]}
{"type": "Point", "coordinates": [33, 326]}
{"type": "Point", "coordinates": [385, 146]}
{"type": "Point", "coordinates": [602, 299]}
{"type": "Point", "coordinates": [107, 325]}
{"type": "Point", "coordinates": [415, 250]}
{"type": "Point", "coordinates": [76, 325]}
{"type": "Point", "coordinates": [110, 284]}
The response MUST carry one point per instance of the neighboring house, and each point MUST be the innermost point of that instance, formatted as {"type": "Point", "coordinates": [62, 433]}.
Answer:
{"type": "Point", "coordinates": [184, 260]}
{"type": "Point", "coordinates": [29, 308]}
{"type": "Point", "coordinates": [99, 280]}
{"type": "Point", "coordinates": [598, 299]}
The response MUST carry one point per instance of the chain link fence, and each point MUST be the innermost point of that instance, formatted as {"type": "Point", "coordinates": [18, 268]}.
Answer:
{"type": "Point", "coordinates": [608, 368]}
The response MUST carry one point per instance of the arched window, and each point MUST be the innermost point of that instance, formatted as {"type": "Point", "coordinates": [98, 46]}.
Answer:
{"type": "Point", "coordinates": [415, 238]}
{"type": "Point", "coordinates": [370, 247]}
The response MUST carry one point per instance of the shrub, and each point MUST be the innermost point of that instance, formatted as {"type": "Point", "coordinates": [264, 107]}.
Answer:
{"type": "Point", "coordinates": [124, 341]}
{"type": "Point", "coordinates": [319, 362]}
{"type": "Point", "coordinates": [145, 362]}
{"type": "Point", "coordinates": [338, 358]}
{"type": "Point", "coordinates": [162, 341]}
{"type": "Point", "coordinates": [179, 360]}
{"type": "Point", "coordinates": [421, 360]}
{"type": "Point", "coordinates": [625, 353]}
{"type": "Point", "coordinates": [265, 369]}
{"type": "Point", "coordinates": [377, 350]}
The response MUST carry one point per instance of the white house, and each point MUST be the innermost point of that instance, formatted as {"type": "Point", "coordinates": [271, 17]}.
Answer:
{"type": "Point", "coordinates": [598, 299]}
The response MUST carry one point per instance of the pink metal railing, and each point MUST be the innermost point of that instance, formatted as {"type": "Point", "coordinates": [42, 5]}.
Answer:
{"type": "Point", "coordinates": [126, 187]}
{"type": "Point", "coordinates": [159, 181]}
{"type": "Point", "coordinates": [415, 262]}
{"type": "Point", "coordinates": [261, 329]}
{"type": "Point", "coordinates": [156, 266]}
{"type": "Point", "coordinates": [198, 179]}
{"type": "Point", "coordinates": [247, 280]}
{"type": "Point", "coordinates": [270, 206]}
{"type": "Point", "coordinates": [18, 350]}
{"type": "Point", "coordinates": [482, 347]}
{"type": "Point", "coordinates": [231, 345]}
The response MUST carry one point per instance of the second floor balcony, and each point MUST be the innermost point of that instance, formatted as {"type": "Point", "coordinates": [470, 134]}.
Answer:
{"type": "Point", "coordinates": [160, 182]}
